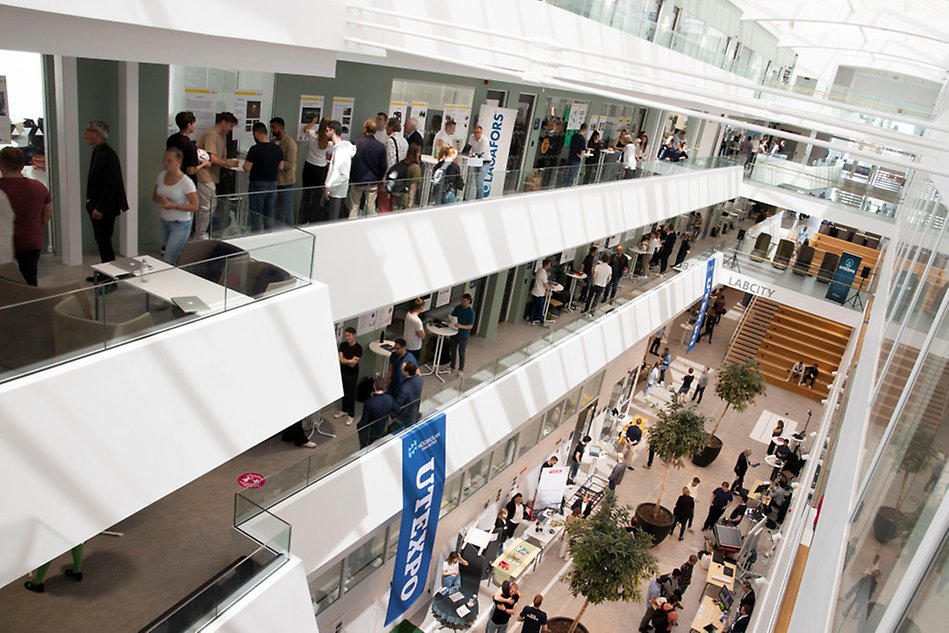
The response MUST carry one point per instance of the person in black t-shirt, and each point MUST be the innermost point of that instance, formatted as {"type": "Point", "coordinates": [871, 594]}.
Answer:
{"type": "Point", "coordinates": [263, 161]}
{"type": "Point", "coordinates": [535, 620]}
{"type": "Point", "coordinates": [505, 601]}
{"type": "Point", "coordinates": [349, 354]}
{"type": "Point", "coordinates": [578, 146]}
{"type": "Point", "coordinates": [190, 164]}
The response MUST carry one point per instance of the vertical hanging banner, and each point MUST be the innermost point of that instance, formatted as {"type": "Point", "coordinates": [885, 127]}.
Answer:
{"type": "Point", "coordinates": [311, 109]}
{"type": "Point", "coordinates": [247, 109]}
{"type": "Point", "coordinates": [5, 136]}
{"type": "Point", "coordinates": [842, 280]}
{"type": "Point", "coordinates": [497, 125]}
{"type": "Point", "coordinates": [423, 481]}
{"type": "Point", "coordinates": [202, 102]}
{"type": "Point", "coordinates": [700, 318]}
{"type": "Point", "coordinates": [343, 112]}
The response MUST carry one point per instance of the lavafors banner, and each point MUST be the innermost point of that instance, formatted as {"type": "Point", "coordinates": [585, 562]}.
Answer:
{"type": "Point", "coordinates": [423, 481]}
{"type": "Point", "coordinates": [497, 125]}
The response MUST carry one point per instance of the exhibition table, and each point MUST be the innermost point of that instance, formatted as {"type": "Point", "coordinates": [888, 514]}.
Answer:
{"type": "Point", "coordinates": [708, 615]}
{"type": "Point", "coordinates": [514, 561]}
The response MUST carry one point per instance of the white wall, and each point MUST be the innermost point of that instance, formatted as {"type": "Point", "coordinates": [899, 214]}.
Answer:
{"type": "Point", "coordinates": [279, 603]}
{"type": "Point", "coordinates": [25, 93]}
{"type": "Point", "coordinates": [92, 441]}
{"type": "Point", "coordinates": [406, 255]}
{"type": "Point", "coordinates": [370, 488]}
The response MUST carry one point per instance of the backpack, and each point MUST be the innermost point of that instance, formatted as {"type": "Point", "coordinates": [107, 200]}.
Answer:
{"type": "Point", "coordinates": [397, 179]}
{"type": "Point", "coordinates": [439, 173]}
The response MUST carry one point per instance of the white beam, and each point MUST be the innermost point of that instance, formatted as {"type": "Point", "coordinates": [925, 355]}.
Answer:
{"type": "Point", "coordinates": [68, 204]}
{"type": "Point", "coordinates": [128, 155]}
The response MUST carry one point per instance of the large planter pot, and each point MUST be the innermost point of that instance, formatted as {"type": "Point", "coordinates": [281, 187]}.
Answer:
{"type": "Point", "coordinates": [710, 453]}
{"type": "Point", "coordinates": [562, 625]}
{"type": "Point", "coordinates": [885, 524]}
{"type": "Point", "coordinates": [656, 522]}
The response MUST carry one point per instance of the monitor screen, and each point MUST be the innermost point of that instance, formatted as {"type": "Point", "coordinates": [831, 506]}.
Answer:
{"type": "Point", "coordinates": [726, 597]}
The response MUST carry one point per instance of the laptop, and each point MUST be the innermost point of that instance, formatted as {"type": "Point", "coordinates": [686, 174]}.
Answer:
{"type": "Point", "coordinates": [190, 304]}
{"type": "Point", "coordinates": [725, 599]}
{"type": "Point", "coordinates": [129, 265]}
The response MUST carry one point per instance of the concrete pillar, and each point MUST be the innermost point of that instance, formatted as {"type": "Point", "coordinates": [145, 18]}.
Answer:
{"type": "Point", "coordinates": [68, 206]}
{"type": "Point", "coordinates": [128, 155]}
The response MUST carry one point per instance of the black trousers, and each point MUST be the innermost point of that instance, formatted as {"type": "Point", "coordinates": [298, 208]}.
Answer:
{"type": "Point", "coordinates": [714, 514]}
{"type": "Point", "coordinates": [28, 262]}
{"type": "Point", "coordinates": [593, 297]}
{"type": "Point", "coordinates": [312, 203]}
{"type": "Point", "coordinates": [102, 230]}
{"type": "Point", "coordinates": [349, 393]}
{"type": "Point", "coordinates": [459, 344]}
{"type": "Point", "coordinates": [654, 348]}
{"type": "Point", "coordinates": [698, 393]}
{"type": "Point", "coordinates": [295, 433]}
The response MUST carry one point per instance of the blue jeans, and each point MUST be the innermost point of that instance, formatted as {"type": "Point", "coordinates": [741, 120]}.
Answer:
{"type": "Point", "coordinates": [478, 174]}
{"type": "Point", "coordinates": [285, 204]}
{"type": "Point", "coordinates": [175, 234]}
{"type": "Point", "coordinates": [451, 582]}
{"type": "Point", "coordinates": [572, 172]}
{"type": "Point", "coordinates": [537, 310]}
{"type": "Point", "coordinates": [262, 205]}
{"type": "Point", "coordinates": [614, 284]}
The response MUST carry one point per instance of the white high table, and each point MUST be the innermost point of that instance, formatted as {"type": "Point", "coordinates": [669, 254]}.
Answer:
{"type": "Point", "coordinates": [574, 277]}
{"type": "Point", "coordinates": [554, 287]}
{"type": "Point", "coordinates": [379, 349]}
{"type": "Point", "coordinates": [442, 332]}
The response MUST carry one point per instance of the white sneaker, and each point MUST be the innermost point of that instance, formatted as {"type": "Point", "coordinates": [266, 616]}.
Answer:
{"type": "Point", "coordinates": [310, 445]}
{"type": "Point", "coordinates": [349, 421]}
{"type": "Point", "coordinates": [338, 415]}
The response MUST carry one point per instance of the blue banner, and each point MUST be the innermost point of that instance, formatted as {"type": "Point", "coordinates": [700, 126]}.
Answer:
{"type": "Point", "coordinates": [843, 277]}
{"type": "Point", "coordinates": [423, 481]}
{"type": "Point", "coordinates": [700, 317]}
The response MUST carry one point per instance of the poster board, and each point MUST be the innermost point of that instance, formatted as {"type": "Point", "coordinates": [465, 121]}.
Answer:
{"type": "Point", "coordinates": [398, 110]}
{"type": "Point", "coordinates": [374, 320]}
{"type": "Point", "coordinates": [578, 114]}
{"type": "Point", "coordinates": [343, 112]}
{"type": "Point", "coordinates": [569, 255]}
{"type": "Point", "coordinates": [550, 488]}
{"type": "Point", "coordinates": [311, 107]}
{"type": "Point", "coordinates": [419, 111]}
{"type": "Point", "coordinates": [202, 102]}
{"type": "Point", "coordinates": [248, 110]}
{"type": "Point", "coordinates": [5, 136]}
{"type": "Point", "coordinates": [443, 297]}
{"type": "Point", "coordinates": [461, 114]}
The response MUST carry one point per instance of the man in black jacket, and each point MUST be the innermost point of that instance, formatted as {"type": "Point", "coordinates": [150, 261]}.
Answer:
{"type": "Point", "coordinates": [105, 190]}
{"type": "Point", "coordinates": [741, 467]}
{"type": "Point", "coordinates": [375, 414]}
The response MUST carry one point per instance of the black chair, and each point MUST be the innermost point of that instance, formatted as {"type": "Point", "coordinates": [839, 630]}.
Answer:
{"type": "Point", "coordinates": [762, 245]}
{"type": "Point", "coordinates": [783, 254]}
{"type": "Point", "coordinates": [828, 266]}
{"type": "Point", "coordinates": [802, 265]}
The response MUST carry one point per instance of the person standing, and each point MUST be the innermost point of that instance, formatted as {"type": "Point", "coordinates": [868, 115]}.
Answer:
{"type": "Point", "coordinates": [337, 174]}
{"type": "Point", "coordinates": [576, 513]}
{"type": "Point", "coordinates": [594, 147]}
{"type": "Point", "coordinates": [684, 247]}
{"type": "Point", "coordinates": [665, 252]}
{"type": "Point", "coordinates": [264, 161]}
{"type": "Point", "coordinates": [619, 266]}
{"type": "Point", "coordinates": [214, 142]}
{"type": "Point", "coordinates": [618, 472]}
{"type": "Point", "coordinates": [349, 353]}
{"type": "Point", "coordinates": [446, 177]}
{"type": "Point", "coordinates": [653, 593]}
{"type": "Point", "coordinates": [535, 620]}
{"type": "Point", "coordinates": [515, 513]}
{"type": "Point", "coordinates": [538, 293]}
{"type": "Point", "coordinates": [190, 164]}
{"type": "Point", "coordinates": [632, 435]}
{"type": "Point", "coordinates": [686, 383]}
{"type": "Point", "coordinates": [36, 584]}
{"type": "Point", "coordinates": [578, 147]}
{"type": "Point", "coordinates": [397, 148]}
{"type": "Point", "coordinates": [409, 397]}
{"type": "Point", "coordinates": [445, 137]}
{"type": "Point", "coordinates": [412, 135]}
{"type": "Point", "coordinates": [375, 414]}
{"type": "Point", "coordinates": [741, 468]}
{"type": "Point", "coordinates": [588, 263]}
{"type": "Point", "coordinates": [710, 322]}
{"type": "Point", "coordinates": [368, 170]}
{"type": "Point", "coordinates": [601, 279]}
{"type": "Point", "coordinates": [399, 356]}
{"type": "Point", "coordinates": [478, 149]}
{"type": "Point", "coordinates": [413, 331]}
{"type": "Point", "coordinates": [657, 340]}
{"type": "Point", "coordinates": [577, 457]}
{"type": "Point", "coordinates": [655, 248]}
{"type": "Point", "coordinates": [464, 318]}
{"type": "Point", "coordinates": [382, 119]}
{"type": "Point", "coordinates": [105, 189]}
{"type": "Point", "coordinates": [747, 596]}
{"type": "Point", "coordinates": [504, 607]}
{"type": "Point", "coordinates": [701, 385]}
{"type": "Point", "coordinates": [776, 433]}
{"type": "Point", "coordinates": [721, 497]}
{"type": "Point", "coordinates": [319, 151]}
{"type": "Point", "coordinates": [177, 197]}
{"type": "Point", "coordinates": [32, 208]}
{"type": "Point", "coordinates": [664, 365]}
{"type": "Point", "coordinates": [685, 576]}
{"type": "Point", "coordinates": [651, 379]}
{"type": "Point", "coordinates": [740, 625]}
{"type": "Point", "coordinates": [287, 175]}
{"type": "Point", "coordinates": [684, 511]}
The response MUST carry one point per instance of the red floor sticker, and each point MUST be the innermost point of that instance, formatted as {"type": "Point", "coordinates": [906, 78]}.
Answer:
{"type": "Point", "coordinates": [251, 480]}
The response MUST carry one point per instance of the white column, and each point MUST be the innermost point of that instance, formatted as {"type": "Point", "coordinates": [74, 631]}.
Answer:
{"type": "Point", "coordinates": [807, 149]}
{"type": "Point", "coordinates": [128, 155]}
{"type": "Point", "coordinates": [68, 206]}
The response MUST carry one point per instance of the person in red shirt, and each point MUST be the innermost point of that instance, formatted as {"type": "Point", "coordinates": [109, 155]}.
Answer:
{"type": "Point", "coordinates": [32, 208]}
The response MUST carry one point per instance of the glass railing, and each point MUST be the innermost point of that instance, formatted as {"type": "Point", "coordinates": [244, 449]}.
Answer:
{"type": "Point", "coordinates": [337, 452]}
{"type": "Point", "coordinates": [307, 205]}
{"type": "Point", "coordinates": [138, 297]}
{"type": "Point", "coordinates": [868, 100]}
{"type": "Point", "coordinates": [269, 536]}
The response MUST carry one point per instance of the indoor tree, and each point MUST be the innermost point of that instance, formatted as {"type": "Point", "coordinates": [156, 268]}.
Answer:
{"type": "Point", "coordinates": [609, 562]}
{"type": "Point", "coordinates": [890, 520]}
{"type": "Point", "coordinates": [679, 432]}
{"type": "Point", "coordinates": [738, 385]}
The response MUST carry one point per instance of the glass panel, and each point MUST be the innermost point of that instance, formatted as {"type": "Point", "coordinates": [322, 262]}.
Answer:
{"type": "Point", "coordinates": [324, 588]}
{"type": "Point", "coordinates": [552, 419]}
{"type": "Point", "coordinates": [503, 456]}
{"type": "Point", "coordinates": [451, 495]}
{"type": "Point", "coordinates": [393, 539]}
{"type": "Point", "coordinates": [476, 476]}
{"type": "Point", "coordinates": [930, 599]}
{"type": "Point", "coordinates": [572, 401]}
{"type": "Point", "coordinates": [364, 560]}
{"type": "Point", "coordinates": [530, 435]}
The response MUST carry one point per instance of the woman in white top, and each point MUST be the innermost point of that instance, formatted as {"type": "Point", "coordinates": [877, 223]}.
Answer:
{"type": "Point", "coordinates": [177, 198]}
{"type": "Point", "coordinates": [414, 331]}
{"type": "Point", "coordinates": [641, 144]}
{"type": "Point", "coordinates": [451, 576]}
{"type": "Point", "coordinates": [319, 151]}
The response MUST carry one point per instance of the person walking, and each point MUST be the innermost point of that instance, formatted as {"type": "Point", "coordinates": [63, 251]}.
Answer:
{"type": "Point", "coordinates": [664, 364]}
{"type": "Point", "coordinates": [601, 279]}
{"type": "Point", "coordinates": [721, 497]}
{"type": "Point", "coordinates": [177, 198]}
{"type": "Point", "coordinates": [619, 265]}
{"type": "Point", "coordinates": [657, 340]}
{"type": "Point", "coordinates": [577, 456]}
{"type": "Point", "coordinates": [36, 584]}
{"type": "Point", "coordinates": [701, 385]}
{"type": "Point", "coordinates": [653, 593]}
{"type": "Point", "coordinates": [535, 620]}
{"type": "Point", "coordinates": [686, 383]}
{"type": "Point", "coordinates": [741, 467]}
{"type": "Point", "coordinates": [684, 511]}
{"type": "Point", "coordinates": [32, 210]}
{"type": "Point", "coordinates": [618, 472]}
{"type": "Point", "coordinates": [105, 189]}
{"type": "Point", "coordinates": [651, 379]}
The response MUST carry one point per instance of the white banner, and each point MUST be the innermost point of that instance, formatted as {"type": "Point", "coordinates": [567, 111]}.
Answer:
{"type": "Point", "coordinates": [550, 488]}
{"type": "Point", "coordinates": [311, 108]}
{"type": "Point", "coordinates": [5, 136]}
{"type": "Point", "coordinates": [497, 125]}
{"type": "Point", "coordinates": [343, 112]}
{"type": "Point", "coordinates": [247, 109]}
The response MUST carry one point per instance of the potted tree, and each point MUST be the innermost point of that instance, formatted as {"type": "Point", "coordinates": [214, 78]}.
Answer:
{"type": "Point", "coordinates": [739, 385]}
{"type": "Point", "coordinates": [890, 520]}
{"type": "Point", "coordinates": [609, 562]}
{"type": "Point", "coordinates": [679, 432]}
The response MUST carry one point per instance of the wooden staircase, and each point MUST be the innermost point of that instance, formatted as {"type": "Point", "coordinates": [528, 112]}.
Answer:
{"type": "Point", "coordinates": [751, 330]}
{"type": "Point", "coordinates": [794, 335]}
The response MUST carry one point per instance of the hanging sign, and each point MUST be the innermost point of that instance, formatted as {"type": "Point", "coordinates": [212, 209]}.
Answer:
{"type": "Point", "coordinates": [497, 124]}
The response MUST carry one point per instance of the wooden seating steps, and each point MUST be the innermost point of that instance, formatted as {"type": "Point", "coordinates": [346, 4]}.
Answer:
{"type": "Point", "coordinates": [794, 335]}
{"type": "Point", "coordinates": [751, 330]}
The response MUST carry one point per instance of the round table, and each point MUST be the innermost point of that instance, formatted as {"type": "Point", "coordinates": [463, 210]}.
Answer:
{"type": "Point", "coordinates": [377, 348]}
{"type": "Point", "coordinates": [686, 331]}
{"type": "Point", "coordinates": [441, 332]}
{"type": "Point", "coordinates": [641, 262]}
{"type": "Point", "coordinates": [574, 276]}
{"type": "Point", "coordinates": [446, 611]}
{"type": "Point", "coordinates": [554, 287]}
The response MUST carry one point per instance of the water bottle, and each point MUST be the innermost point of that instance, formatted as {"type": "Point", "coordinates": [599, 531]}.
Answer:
{"type": "Point", "coordinates": [145, 267]}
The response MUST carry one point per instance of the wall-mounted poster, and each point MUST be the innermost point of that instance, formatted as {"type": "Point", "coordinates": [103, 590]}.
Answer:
{"type": "Point", "coordinates": [578, 114]}
{"type": "Point", "coordinates": [247, 109]}
{"type": "Point", "coordinates": [461, 114]}
{"type": "Point", "coordinates": [311, 108]}
{"type": "Point", "coordinates": [343, 112]}
{"type": "Point", "coordinates": [443, 297]}
{"type": "Point", "coordinates": [202, 102]}
{"type": "Point", "coordinates": [5, 136]}
{"type": "Point", "coordinates": [374, 320]}
{"type": "Point", "coordinates": [398, 109]}
{"type": "Point", "coordinates": [419, 111]}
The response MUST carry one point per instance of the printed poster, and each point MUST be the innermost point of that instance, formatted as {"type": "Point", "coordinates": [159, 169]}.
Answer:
{"type": "Point", "coordinates": [419, 111]}
{"type": "Point", "coordinates": [311, 108]}
{"type": "Point", "coordinates": [461, 114]}
{"type": "Point", "coordinates": [5, 136]}
{"type": "Point", "coordinates": [202, 102]}
{"type": "Point", "coordinates": [578, 114]}
{"type": "Point", "coordinates": [443, 297]}
{"type": "Point", "coordinates": [343, 112]}
{"type": "Point", "coordinates": [247, 109]}
{"type": "Point", "coordinates": [374, 320]}
{"type": "Point", "coordinates": [398, 110]}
